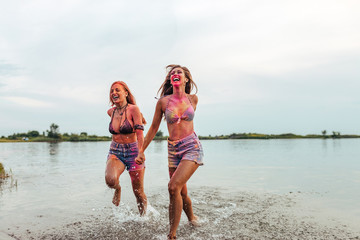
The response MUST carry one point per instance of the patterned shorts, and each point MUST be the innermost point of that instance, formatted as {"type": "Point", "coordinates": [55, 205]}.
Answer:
{"type": "Point", "coordinates": [126, 153]}
{"type": "Point", "coordinates": [188, 148]}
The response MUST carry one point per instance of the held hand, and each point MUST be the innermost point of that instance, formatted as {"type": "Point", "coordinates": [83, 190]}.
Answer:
{"type": "Point", "coordinates": [140, 159]}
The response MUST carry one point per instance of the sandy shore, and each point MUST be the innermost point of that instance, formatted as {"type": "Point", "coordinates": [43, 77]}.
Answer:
{"type": "Point", "coordinates": [241, 215]}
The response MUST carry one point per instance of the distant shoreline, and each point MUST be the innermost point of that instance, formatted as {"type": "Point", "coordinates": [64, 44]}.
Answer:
{"type": "Point", "coordinates": [279, 136]}
{"type": "Point", "coordinates": [94, 138]}
{"type": "Point", "coordinates": [53, 135]}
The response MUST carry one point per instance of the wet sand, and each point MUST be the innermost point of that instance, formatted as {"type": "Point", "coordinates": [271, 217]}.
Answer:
{"type": "Point", "coordinates": [224, 215]}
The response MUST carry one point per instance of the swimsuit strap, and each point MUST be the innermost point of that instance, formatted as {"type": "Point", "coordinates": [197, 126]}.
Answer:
{"type": "Point", "coordinates": [125, 115]}
{"type": "Point", "coordinates": [167, 105]}
{"type": "Point", "coordinates": [187, 95]}
{"type": "Point", "coordinates": [112, 115]}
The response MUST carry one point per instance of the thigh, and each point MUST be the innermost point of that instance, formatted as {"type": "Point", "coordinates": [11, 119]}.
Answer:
{"type": "Point", "coordinates": [171, 171]}
{"type": "Point", "coordinates": [137, 178]}
{"type": "Point", "coordinates": [184, 188]}
{"type": "Point", "coordinates": [183, 172]}
{"type": "Point", "coordinates": [114, 167]}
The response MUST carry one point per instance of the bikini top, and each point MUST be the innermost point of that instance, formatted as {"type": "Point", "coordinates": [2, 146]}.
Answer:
{"type": "Point", "coordinates": [172, 117]}
{"type": "Point", "coordinates": [125, 127]}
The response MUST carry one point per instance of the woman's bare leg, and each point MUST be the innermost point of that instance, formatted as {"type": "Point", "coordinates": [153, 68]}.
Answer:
{"type": "Point", "coordinates": [178, 180]}
{"type": "Point", "coordinates": [114, 168]}
{"type": "Point", "coordinates": [137, 181]}
{"type": "Point", "coordinates": [187, 205]}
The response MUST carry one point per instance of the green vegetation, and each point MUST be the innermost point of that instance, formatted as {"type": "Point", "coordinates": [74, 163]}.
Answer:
{"type": "Point", "coordinates": [52, 135]}
{"type": "Point", "coordinates": [279, 136]}
{"type": "Point", "coordinates": [3, 174]}
{"type": "Point", "coordinates": [160, 136]}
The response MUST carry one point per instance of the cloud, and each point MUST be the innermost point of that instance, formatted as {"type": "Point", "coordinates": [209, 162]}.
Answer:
{"type": "Point", "coordinates": [252, 55]}
{"type": "Point", "coordinates": [7, 69]}
{"type": "Point", "coordinates": [27, 102]}
{"type": "Point", "coordinates": [270, 38]}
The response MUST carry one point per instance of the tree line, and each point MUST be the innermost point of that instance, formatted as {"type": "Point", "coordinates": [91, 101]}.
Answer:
{"type": "Point", "coordinates": [53, 135]}
{"type": "Point", "coordinates": [323, 135]}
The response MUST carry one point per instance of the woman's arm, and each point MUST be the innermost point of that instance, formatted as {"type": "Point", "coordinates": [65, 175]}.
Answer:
{"type": "Point", "coordinates": [151, 133]}
{"type": "Point", "coordinates": [154, 126]}
{"type": "Point", "coordinates": [194, 100]}
{"type": "Point", "coordinates": [137, 119]}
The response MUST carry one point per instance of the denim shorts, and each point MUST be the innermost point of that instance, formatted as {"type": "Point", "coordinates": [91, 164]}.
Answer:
{"type": "Point", "coordinates": [188, 148]}
{"type": "Point", "coordinates": [126, 153]}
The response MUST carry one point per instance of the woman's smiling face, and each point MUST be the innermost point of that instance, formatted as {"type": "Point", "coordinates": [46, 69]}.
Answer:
{"type": "Point", "coordinates": [177, 76]}
{"type": "Point", "coordinates": [118, 93]}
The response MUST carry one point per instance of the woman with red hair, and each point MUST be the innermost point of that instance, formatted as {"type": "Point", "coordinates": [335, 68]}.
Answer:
{"type": "Point", "coordinates": [126, 127]}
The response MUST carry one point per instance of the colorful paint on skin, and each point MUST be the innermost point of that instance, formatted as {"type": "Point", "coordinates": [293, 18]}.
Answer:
{"type": "Point", "coordinates": [172, 117]}
{"type": "Point", "coordinates": [176, 77]}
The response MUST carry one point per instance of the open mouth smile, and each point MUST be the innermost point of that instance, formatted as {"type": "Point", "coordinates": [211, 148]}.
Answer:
{"type": "Point", "coordinates": [175, 78]}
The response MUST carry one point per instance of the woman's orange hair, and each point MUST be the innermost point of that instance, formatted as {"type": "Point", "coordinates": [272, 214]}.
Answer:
{"type": "Point", "coordinates": [129, 98]}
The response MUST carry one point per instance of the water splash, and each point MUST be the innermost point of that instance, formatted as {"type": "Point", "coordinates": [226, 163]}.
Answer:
{"type": "Point", "coordinates": [240, 215]}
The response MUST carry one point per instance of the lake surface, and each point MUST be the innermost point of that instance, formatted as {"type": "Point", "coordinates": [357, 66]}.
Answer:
{"type": "Point", "coordinates": [253, 189]}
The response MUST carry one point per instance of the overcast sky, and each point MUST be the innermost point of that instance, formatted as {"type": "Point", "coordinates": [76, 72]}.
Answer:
{"type": "Point", "coordinates": [261, 66]}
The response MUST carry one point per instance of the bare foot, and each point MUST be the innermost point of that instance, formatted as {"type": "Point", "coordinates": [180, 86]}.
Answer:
{"type": "Point", "coordinates": [170, 236]}
{"type": "Point", "coordinates": [117, 196]}
{"type": "Point", "coordinates": [195, 221]}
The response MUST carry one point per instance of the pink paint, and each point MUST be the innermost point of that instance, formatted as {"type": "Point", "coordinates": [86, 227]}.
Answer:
{"type": "Point", "coordinates": [175, 76]}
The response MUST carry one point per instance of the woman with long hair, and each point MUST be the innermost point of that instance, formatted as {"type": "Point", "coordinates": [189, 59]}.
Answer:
{"type": "Point", "coordinates": [126, 127]}
{"type": "Point", "coordinates": [185, 153]}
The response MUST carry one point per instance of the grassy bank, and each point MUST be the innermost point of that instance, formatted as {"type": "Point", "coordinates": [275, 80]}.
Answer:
{"type": "Point", "coordinates": [60, 138]}
{"type": "Point", "coordinates": [277, 136]}
{"type": "Point", "coordinates": [34, 136]}
{"type": "Point", "coordinates": [3, 174]}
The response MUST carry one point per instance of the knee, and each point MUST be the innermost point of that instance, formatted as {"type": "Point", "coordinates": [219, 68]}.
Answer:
{"type": "Point", "coordinates": [184, 193]}
{"type": "Point", "coordinates": [173, 188]}
{"type": "Point", "coordinates": [111, 181]}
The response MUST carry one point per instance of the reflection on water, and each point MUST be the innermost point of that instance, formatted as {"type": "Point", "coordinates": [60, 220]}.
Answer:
{"type": "Point", "coordinates": [53, 148]}
{"type": "Point", "coordinates": [8, 182]}
{"type": "Point", "coordinates": [336, 143]}
{"type": "Point", "coordinates": [324, 144]}
{"type": "Point", "coordinates": [158, 146]}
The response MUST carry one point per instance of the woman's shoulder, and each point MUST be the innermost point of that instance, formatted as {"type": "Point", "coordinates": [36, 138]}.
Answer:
{"type": "Point", "coordinates": [162, 102]}
{"type": "Point", "coordinates": [164, 99]}
{"type": "Point", "coordinates": [133, 107]}
{"type": "Point", "coordinates": [194, 98]}
{"type": "Point", "coordinates": [110, 111]}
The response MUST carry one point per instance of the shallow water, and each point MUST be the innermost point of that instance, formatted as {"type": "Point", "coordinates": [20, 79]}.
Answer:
{"type": "Point", "coordinates": [247, 189]}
